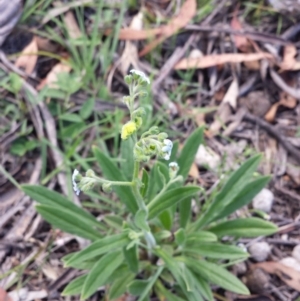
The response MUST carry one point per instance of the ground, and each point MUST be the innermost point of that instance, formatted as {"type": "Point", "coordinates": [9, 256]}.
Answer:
{"type": "Point", "coordinates": [230, 66]}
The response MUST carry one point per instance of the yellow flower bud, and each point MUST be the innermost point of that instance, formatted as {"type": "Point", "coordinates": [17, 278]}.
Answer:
{"type": "Point", "coordinates": [128, 129]}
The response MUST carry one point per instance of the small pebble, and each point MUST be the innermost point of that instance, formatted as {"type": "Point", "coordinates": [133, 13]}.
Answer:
{"type": "Point", "coordinates": [291, 262]}
{"type": "Point", "coordinates": [206, 157]}
{"type": "Point", "coordinates": [259, 251]}
{"type": "Point", "coordinates": [296, 253]}
{"type": "Point", "coordinates": [240, 268]}
{"type": "Point", "coordinates": [257, 281]}
{"type": "Point", "coordinates": [264, 200]}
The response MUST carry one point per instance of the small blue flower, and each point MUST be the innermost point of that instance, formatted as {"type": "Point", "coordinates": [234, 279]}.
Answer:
{"type": "Point", "coordinates": [167, 149]}
{"type": "Point", "coordinates": [75, 186]}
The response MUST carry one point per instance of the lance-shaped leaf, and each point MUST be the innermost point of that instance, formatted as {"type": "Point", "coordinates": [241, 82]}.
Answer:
{"type": "Point", "coordinates": [170, 198]}
{"type": "Point", "coordinates": [75, 286]}
{"type": "Point", "coordinates": [99, 247]}
{"type": "Point", "coordinates": [113, 173]}
{"type": "Point", "coordinates": [68, 221]}
{"type": "Point", "coordinates": [100, 273]}
{"type": "Point", "coordinates": [244, 227]}
{"type": "Point", "coordinates": [233, 187]}
{"type": "Point", "coordinates": [47, 197]}
{"type": "Point", "coordinates": [215, 250]}
{"type": "Point", "coordinates": [216, 274]}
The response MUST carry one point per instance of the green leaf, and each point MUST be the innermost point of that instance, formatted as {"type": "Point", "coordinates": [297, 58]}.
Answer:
{"type": "Point", "coordinates": [244, 197]}
{"type": "Point", "coordinates": [70, 117]}
{"type": "Point", "coordinates": [150, 284]}
{"type": "Point", "coordinates": [180, 237]}
{"type": "Point", "coordinates": [131, 257]}
{"type": "Point", "coordinates": [166, 293]}
{"type": "Point", "coordinates": [112, 172]}
{"type": "Point", "coordinates": [166, 219]}
{"type": "Point", "coordinates": [175, 268]}
{"type": "Point", "coordinates": [185, 211]}
{"type": "Point", "coordinates": [75, 286]}
{"type": "Point", "coordinates": [87, 108]}
{"type": "Point", "coordinates": [100, 273]}
{"type": "Point", "coordinates": [114, 221]}
{"type": "Point", "coordinates": [51, 198]}
{"type": "Point", "coordinates": [189, 151]}
{"type": "Point", "coordinates": [119, 287]}
{"type": "Point", "coordinates": [216, 274]}
{"type": "Point", "coordinates": [145, 182]}
{"type": "Point", "coordinates": [155, 183]}
{"type": "Point", "coordinates": [137, 286]}
{"type": "Point", "coordinates": [201, 236]}
{"type": "Point", "coordinates": [244, 227]}
{"type": "Point", "coordinates": [140, 220]}
{"type": "Point", "coordinates": [204, 287]}
{"type": "Point", "coordinates": [68, 221]}
{"type": "Point", "coordinates": [99, 247]}
{"type": "Point", "coordinates": [127, 162]}
{"type": "Point", "coordinates": [215, 250]}
{"type": "Point", "coordinates": [233, 187]}
{"type": "Point", "coordinates": [185, 161]}
{"type": "Point", "coordinates": [170, 198]}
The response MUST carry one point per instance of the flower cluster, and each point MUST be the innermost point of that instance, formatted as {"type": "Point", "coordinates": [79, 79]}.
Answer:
{"type": "Point", "coordinates": [83, 183]}
{"type": "Point", "coordinates": [137, 81]}
{"type": "Point", "coordinates": [153, 143]}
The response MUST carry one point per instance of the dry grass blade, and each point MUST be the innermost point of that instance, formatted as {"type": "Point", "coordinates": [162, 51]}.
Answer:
{"type": "Point", "coordinates": [62, 9]}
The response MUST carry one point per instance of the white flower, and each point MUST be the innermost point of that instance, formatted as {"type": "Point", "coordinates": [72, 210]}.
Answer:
{"type": "Point", "coordinates": [75, 186]}
{"type": "Point", "coordinates": [173, 169]}
{"type": "Point", "coordinates": [167, 149]}
{"type": "Point", "coordinates": [141, 75]}
{"type": "Point", "coordinates": [173, 165]}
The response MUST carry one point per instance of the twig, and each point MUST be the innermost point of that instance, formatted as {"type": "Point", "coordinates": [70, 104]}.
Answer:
{"type": "Point", "coordinates": [164, 72]}
{"type": "Point", "coordinates": [256, 36]}
{"type": "Point", "coordinates": [274, 133]}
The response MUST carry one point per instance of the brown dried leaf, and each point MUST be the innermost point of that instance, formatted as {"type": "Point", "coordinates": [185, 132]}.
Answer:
{"type": "Point", "coordinates": [270, 115]}
{"type": "Point", "coordinates": [286, 100]}
{"type": "Point", "coordinates": [241, 42]}
{"type": "Point", "coordinates": [72, 26]}
{"type": "Point", "coordinates": [28, 58]}
{"type": "Point", "coordinates": [194, 172]}
{"type": "Point", "coordinates": [219, 59]}
{"type": "Point", "coordinates": [289, 62]}
{"type": "Point", "coordinates": [288, 275]}
{"type": "Point", "coordinates": [232, 94]}
{"type": "Point", "coordinates": [130, 53]}
{"type": "Point", "coordinates": [221, 117]}
{"type": "Point", "coordinates": [4, 296]}
{"type": "Point", "coordinates": [186, 13]}
{"type": "Point", "coordinates": [52, 78]}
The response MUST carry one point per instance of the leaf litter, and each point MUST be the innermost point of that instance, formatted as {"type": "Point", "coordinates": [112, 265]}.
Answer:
{"type": "Point", "coordinates": [244, 81]}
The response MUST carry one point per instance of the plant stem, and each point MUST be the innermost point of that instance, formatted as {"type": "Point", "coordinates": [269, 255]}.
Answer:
{"type": "Point", "coordinates": [151, 243]}
{"type": "Point", "coordinates": [115, 183]}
